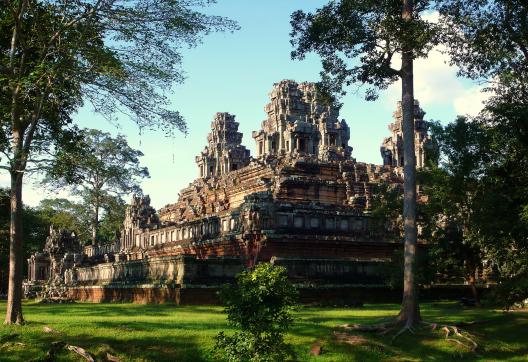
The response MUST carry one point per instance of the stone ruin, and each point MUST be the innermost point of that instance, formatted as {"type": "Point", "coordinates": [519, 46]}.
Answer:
{"type": "Point", "coordinates": [224, 153]}
{"type": "Point", "coordinates": [392, 147]}
{"type": "Point", "coordinates": [52, 270]}
{"type": "Point", "coordinates": [138, 215]}
{"type": "Point", "coordinates": [303, 202]}
{"type": "Point", "coordinates": [300, 122]}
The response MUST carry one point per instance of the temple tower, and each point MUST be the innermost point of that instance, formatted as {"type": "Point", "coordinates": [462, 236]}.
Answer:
{"type": "Point", "coordinates": [224, 152]}
{"type": "Point", "coordinates": [138, 216]}
{"type": "Point", "coordinates": [392, 147]}
{"type": "Point", "coordinates": [300, 122]}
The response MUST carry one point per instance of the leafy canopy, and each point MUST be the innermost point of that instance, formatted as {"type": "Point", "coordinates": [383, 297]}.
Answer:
{"type": "Point", "coordinates": [488, 38]}
{"type": "Point", "coordinates": [489, 41]}
{"type": "Point", "coordinates": [102, 164]}
{"type": "Point", "coordinates": [66, 214]}
{"type": "Point", "coordinates": [453, 192]}
{"type": "Point", "coordinates": [100, 172]}
{"type": "Point", "coordinates": [370, 31]}
{"type": "Point", "coordinates": [122, 57]}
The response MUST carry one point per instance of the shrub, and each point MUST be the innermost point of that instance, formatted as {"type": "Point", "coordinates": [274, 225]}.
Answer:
{"type": "Point", "coordinates": [512, 292]}
{"type": "Point", "coordinates": [259, 304]}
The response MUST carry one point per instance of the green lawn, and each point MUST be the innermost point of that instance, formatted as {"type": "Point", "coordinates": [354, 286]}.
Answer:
{"type": "Point", "coordinates": [185, 333]}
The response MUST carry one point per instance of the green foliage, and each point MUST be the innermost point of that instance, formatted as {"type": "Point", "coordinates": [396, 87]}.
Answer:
{"type": "Point", "coordinates": [66, 214]}
{"type": "Point", "coordinates": [119, 56]}
{"type": "Point", "coordinates": [476, 200]}
{"type": "Point", "coordinates": [101, 163]}
{"type": "Point", "coordinates": [385, 219]}
{"type": "Point", "coordinates": [168, 333]}
{"type": "Point", "coordinates": [259, 304]}
{"type": "Point", "coordinates": [453, 192]}
{"type": "Point", "coordinates": [387, 202]}
{"type": "Point", "coordinates": [112, 220]}
{"type": "Point", "coordinates": [103, 169]}
{"type": "Point", "coordinates": [512, 291]}
{"type": "Point", "coordinates": [504, 196]}
{"type": "Point", "coordinates": [77, 217]}
{"type": "Point", "coordinates": [370, 31]}
{"type": "Point", "coordinates": [487, 39]}
{"type": "Point", "coordinates": [37, 231]}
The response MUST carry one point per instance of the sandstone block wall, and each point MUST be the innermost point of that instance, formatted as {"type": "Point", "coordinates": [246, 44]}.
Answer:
{"type": "Point", "coordinates": [168, 270]}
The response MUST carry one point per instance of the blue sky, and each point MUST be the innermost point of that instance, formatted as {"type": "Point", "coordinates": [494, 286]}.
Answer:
{"type": "Point", "coordinates": [234, 72]}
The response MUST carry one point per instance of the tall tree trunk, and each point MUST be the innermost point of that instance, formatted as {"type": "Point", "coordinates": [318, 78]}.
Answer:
{"type": "Point", "coordinates": [95, 225]}
{"type": "Point", "coordinates": [14, 293]}
{"type": "Point", "coordinates": [410, 310]}
{"type": "Point", "coordinates": [474, 290]}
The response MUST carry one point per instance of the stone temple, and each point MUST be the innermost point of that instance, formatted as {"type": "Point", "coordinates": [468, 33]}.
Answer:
{"type": "Point", "coordinates": [392, 147]}
{"type": "Point", "coordinates": [302, 202]}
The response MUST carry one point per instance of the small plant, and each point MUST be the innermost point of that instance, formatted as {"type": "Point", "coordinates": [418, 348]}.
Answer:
{"type": "Point", "coordinates": [259, 304]}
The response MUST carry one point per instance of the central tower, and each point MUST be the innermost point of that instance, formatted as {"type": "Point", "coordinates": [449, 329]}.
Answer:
{"type": "Point", "coordinates": [301, 122]}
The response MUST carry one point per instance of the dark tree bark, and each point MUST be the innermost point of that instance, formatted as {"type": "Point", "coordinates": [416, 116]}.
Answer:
{"type": "Point", "coordinates": [95, 225]}
{"type": "Point", "coordinates": [474, 290]}
{"type": "Point", "coordinates": [14, 293]}
{"type": "Point", "coordinates": [410, 310]}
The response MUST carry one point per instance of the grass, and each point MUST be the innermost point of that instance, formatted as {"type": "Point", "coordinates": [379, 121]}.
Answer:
{"type": "Point", "coordinates": [186, 333]}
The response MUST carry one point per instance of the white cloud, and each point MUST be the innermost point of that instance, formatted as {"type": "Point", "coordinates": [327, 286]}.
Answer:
{"type": "Point", "coordinates": [471, 101]}
{"type": "Point", "coordinates": [433, 16]}
{"type": "Point", "coordinates": [436, 83]}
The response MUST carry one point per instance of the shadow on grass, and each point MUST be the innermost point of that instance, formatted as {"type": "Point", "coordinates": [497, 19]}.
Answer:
{"type": "Point", "coordinates": [498, 334]}
{"type": "Point", "coordinates": [34, 346]}
{"type": "Point", "coordinates": [186, 333]}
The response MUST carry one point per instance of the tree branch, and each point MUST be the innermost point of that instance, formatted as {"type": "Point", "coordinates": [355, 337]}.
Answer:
{"type": "Point", "coordinates": [513, 35]}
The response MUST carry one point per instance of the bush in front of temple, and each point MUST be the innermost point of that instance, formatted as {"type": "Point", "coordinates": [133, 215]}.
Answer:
{"type": "Point", "coordinates": [259, 305]}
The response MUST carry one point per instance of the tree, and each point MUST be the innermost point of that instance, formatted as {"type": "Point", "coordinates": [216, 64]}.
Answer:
{"type": "Point", "coordinates": [260, 305]}
{"type": "Point", "coordinates": [76, 216]}
{"type": "Point", "coordinates": [105, 168]}
{"type": "Point", "coordinates": [4, 239]}
{"type": "Point", "coordinates": [34, 240]}
{"type": "Point", "coordinates": [385, 217]}
{"type": "Point", "coordinates": [453, 190]}
{"type": "Point", "coordinates": [66, 214]}
{"type": "Point", "coordinates": [112, 221]}
{"type": "Point", "coordinates": [357, 41]}
{"type": "Point", "coordinates": [489, 42]}
{"type": "Point", "coordinates": [120, 56]}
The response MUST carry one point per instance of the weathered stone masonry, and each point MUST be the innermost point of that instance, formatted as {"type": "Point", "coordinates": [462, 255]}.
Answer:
{"type": "Point", "coordinates": [303, 202]}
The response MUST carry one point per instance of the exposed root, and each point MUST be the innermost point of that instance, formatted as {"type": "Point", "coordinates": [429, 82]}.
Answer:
{"type": "Point", "coordinates": [453, 333]}
{"type": "Point", "coordinates": [112, 358]}
{"type": "Point", "coordinates": [386, 331]}
{"type": "Point", "coordinates": [81, 352]}
{"type": "Point", "coordinates": [464, 339]}
{"type": "Point", "coordinates": [406, 328]}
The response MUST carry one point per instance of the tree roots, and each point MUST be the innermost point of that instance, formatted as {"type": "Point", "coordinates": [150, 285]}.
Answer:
{"type": "Point", "coordinates": [453, 333]}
